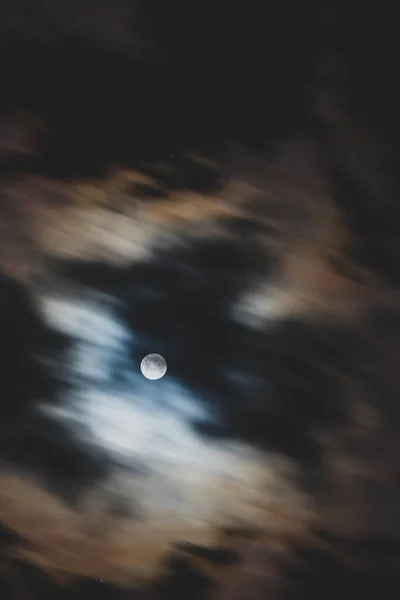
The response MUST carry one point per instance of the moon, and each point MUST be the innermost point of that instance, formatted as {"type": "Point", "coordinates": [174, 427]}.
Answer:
{"type": "Point", "coordinates": [153, 366]}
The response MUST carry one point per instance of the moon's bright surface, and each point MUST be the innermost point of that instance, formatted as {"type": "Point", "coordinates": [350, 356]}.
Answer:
{"type": "Point", "coordinates": [153, 366]}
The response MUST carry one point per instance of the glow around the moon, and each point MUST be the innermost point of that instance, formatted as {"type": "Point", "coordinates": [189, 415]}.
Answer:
{"type": "Point", "coordinates": [153, 366]}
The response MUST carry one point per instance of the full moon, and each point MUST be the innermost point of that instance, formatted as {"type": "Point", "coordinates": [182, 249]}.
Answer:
{"type": "Point", "coordinates": [153, 366]}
